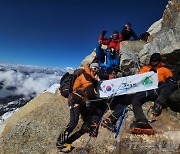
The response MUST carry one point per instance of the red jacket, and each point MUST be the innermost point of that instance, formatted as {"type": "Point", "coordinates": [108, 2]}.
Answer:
{"type": "Point", "coordinates": [111, 43]}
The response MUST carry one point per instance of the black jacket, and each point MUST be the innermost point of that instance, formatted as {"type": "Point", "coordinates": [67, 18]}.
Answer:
{"type": "Point", "coordinates": [127, 34]}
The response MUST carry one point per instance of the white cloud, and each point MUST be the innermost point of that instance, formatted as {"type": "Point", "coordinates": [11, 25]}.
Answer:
{"type": "Point", "coordinates": [26, 83]}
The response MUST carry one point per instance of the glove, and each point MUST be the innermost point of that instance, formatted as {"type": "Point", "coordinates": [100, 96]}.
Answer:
{"type": "Point", "coordinates": [153, 69]}
{"type": "Point", "coordinates": [104, 32]}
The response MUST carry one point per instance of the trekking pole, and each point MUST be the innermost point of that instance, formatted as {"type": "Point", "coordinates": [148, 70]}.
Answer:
{"type": "Point", "coordinates": [120, 122]}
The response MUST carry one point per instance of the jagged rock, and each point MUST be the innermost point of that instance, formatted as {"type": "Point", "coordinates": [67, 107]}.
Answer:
{"type": "Point", "coordinates": [130, 50]}
{"type": "Point", "coordinates": [166, 139]}
{"type": "Point", "coordinates": [36, 126]}
{"type": "Point", "coordinates": [88, 59]}
{"type": "Point", "coordinates": [167, 38]}
{"type": "Point", "coordinates": [155, 27]}
{"type": "Point", "coordinates": [129, 59]}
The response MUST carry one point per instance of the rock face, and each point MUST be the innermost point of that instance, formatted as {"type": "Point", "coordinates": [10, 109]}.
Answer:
{"type": "Point", "coordinates": [36, 126]}
{"type": "Point", "coordinates": [88, 59]}
{"type": "Point", "coordinates": [166, 40]}
{"type": "Point", "coordinates": [166, 139]}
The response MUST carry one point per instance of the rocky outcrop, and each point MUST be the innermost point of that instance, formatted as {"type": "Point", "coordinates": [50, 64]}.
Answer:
{"type": "Point", "coordinates": [166, 139]}
{"type": "Point", "coordinates": [36, 126]}
{"type": "Point", "coordinates": [166, 40]}
{"type": "Point", "coordinates": [88, 59]}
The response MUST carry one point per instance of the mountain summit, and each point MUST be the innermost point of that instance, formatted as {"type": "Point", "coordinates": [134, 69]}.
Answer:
{"type": "Point", "coordinates": [35, 127]}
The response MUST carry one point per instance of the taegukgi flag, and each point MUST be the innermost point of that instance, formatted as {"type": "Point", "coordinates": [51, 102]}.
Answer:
{"type": "Point", "coordinates": [128, 85]}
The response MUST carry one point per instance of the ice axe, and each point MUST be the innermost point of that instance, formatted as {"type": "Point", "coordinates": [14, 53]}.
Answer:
{"type": "Point", "coordinates": [120, 122]}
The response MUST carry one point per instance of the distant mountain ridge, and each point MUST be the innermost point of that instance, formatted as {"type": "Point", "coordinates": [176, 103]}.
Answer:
{"type": "Point", "coordinates": [20, 83]}
{"type": "Point", "coordinates": [32, 68]}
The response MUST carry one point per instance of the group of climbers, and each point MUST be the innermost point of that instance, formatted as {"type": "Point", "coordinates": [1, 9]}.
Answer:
{"type": "Point", "coordinates": [106, 67]}
{"type": "Point", "coordinates": [111, 53]}
{"type": "Point", "coordinates": [109, 56]}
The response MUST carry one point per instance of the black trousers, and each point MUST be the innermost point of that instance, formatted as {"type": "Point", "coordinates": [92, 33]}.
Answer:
{"type": "Point", "coordinates": [74, 116]}
{"type": "Point", "coordinates": [116, 104]}
{"type": "Point", "coordinates": [77, 107]}
{"type": "Point", "coordinates": [98, 109]}
{"type": "Point", "coordinates": [165, 90]}
{"type": "Point", "coordinates": [160, 94]}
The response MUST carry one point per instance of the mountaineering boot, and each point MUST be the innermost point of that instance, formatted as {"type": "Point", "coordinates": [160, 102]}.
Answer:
{"type": "Point", "coordinates": [94, 129]}
{"type": "Point", "coordinates": [108, 124]}
{"type": "Point", "coordinates": [86, 128]}
{"type": "Point", "coordinates": [157, 109]}
{"type": "Point", "coordinates": [66, 148]}
{"type": "Point", "coordinates": [90, 129]}
{"type": "Point", "coordinates": [139, 127]}
{"type": "Point", "coordinates": [61, 141]}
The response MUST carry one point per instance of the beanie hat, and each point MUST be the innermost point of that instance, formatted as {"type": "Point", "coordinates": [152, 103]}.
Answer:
{"type": "Point", "coordinates": [155, 57]}
{"type": "Point", "coordinates": [94, 65]}
{"type": "Point", "coordinates": [115, 32]}
{"type": "Point", "coordinates": [129, 24]}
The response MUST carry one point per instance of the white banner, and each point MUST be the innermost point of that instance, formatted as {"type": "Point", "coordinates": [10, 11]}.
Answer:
{"type": "Point", "coordinates": [128, 85]}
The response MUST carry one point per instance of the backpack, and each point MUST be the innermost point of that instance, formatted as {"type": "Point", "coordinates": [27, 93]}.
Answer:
{"type": "Point", "coordinates": [67, 82]}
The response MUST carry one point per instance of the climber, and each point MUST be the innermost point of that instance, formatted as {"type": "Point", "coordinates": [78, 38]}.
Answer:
{"type": "Point", "coordinates": [127, 32]}
{"type": "Point", "coordinates": [112, 52]}
{"type": "Point", "coordinates": [117, 105]}
{"type": "Point", "coordinates": [83, 90]}
{"type": "Point", "coordinates": [99, 107]}
{"type": "Point", "coordinates": [167, 89]}
{"type": "Point", "coordinates": [141, 125]}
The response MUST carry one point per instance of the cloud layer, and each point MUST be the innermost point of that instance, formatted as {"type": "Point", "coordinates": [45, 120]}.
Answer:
{"type": "Point", "coordinates": [27, 81]}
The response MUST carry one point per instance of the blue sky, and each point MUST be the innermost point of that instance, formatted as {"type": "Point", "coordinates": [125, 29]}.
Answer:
{"type": "Point", "coordinates": [61, 33]}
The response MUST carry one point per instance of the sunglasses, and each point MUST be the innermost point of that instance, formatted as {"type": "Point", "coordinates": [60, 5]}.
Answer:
{"type": "Point", "coordinates": [95, 69]}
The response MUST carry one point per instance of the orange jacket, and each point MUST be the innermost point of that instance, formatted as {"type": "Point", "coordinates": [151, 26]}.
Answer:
{"type": "Point", "coordinates": [163, 72]}
{"type": "Point", "coordinates": [82, 83]}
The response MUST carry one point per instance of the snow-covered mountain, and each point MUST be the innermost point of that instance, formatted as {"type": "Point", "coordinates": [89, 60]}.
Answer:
{"type": "Point", "coordinates": [21, 83]}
